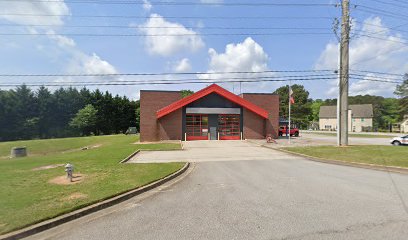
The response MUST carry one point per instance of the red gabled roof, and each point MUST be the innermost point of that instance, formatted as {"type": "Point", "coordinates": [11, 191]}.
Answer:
{"type": "Point", "coordinates": [214, 88]}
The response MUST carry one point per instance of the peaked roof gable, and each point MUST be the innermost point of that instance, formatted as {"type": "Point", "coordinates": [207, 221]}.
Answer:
{"type": "Point", "coordinates": [213, 88]}
{"type": "Point", "coordinates": [357, 110]}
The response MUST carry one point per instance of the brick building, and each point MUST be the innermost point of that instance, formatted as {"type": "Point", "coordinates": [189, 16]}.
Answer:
{"type": "Point", "coordinates": [212, 113]}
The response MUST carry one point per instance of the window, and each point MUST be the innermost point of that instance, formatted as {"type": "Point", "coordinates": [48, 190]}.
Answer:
{"type": "Point", "coordinates": [362, 119]}
{"type": "Point", "coordinates": [197, 126]}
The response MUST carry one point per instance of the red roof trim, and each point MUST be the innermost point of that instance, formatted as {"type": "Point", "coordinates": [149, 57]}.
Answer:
{"type": "Point", "coordinates": [214, 88]}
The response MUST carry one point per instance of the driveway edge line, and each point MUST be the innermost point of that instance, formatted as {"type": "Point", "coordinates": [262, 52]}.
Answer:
{"type": "Point", "coordinates": [45, 225]}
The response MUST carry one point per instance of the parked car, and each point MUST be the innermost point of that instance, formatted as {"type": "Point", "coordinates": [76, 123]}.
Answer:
{"type": "Point", "coordinates": [399, 141]}
{"type": "Point", "coordinates": [283, 130]}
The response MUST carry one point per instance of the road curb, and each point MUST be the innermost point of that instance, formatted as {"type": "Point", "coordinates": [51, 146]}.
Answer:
{"type": "Point", "coordinates": [42, 226]}
{"type": "Point", "coordinates": [130, 156]}
{"type": "Point", "coordinates": [343, 163]}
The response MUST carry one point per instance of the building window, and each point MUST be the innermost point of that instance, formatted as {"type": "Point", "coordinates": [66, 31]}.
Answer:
{"type": "Point", "coordinates": [362, 119]}
{"type": "Point", "coordinates": [197, 125]}
{"type": "Point", "coordinates": [327, 126]}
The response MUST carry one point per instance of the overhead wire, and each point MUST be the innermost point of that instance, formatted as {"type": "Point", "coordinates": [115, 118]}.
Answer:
{"type": "Point", "coordinates": [166, 17]}
{"type": "Point", "coordinates": [170, 3]}
{"type": "Point", "coordinates": [167, 73]}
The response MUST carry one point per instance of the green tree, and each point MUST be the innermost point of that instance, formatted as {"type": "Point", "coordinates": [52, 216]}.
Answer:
{"type": "Point", "coordinates": [390, 112]}
{"type": "Point", "coordinates": [85, 120]}
{"type": "Point", "coordinates": [402, 91]}
{"type": "Point", "coordinates": [25, 109]}
{"type": "Point", "coordinates": [45, 111]}
{"type": "Point", "coordinates": [315, 109]}
{"type": "Point", "coordinates": [300, 110]}
{"type": "Point", "coordinates": [186, 93]}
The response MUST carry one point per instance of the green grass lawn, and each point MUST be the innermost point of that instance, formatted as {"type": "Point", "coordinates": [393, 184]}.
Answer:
{"type": "Point", "coordinates": [27, 197]}
{"type": "Point", "coordinates": [380, 155]}
{"type": "Point", "coordinates": [354, 135]}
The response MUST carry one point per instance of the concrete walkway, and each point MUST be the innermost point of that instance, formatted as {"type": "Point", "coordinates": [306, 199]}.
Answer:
{"type": "Point", "coordinates": [208, 151]}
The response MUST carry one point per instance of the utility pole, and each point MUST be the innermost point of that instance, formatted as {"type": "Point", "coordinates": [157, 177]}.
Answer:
{"type": "Point", "coordinates": [342, 106]}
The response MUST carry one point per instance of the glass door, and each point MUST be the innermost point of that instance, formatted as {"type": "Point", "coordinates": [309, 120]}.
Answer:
{"type": "Point", "coordinates": [196, 127]}
{"type": "Point", "coordinates": [229, 126]}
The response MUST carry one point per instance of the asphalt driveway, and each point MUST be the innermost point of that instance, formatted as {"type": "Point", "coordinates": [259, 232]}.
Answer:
{"type": "Point", "coordinates": [277, 197]}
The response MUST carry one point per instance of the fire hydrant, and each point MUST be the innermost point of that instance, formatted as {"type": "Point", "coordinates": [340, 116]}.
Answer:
{"type": "Point", "coordinates": [69, 169]}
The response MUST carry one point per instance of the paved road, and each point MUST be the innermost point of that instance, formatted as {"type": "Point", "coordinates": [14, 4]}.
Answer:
{"type": "Point", "coordinates": [280, 198]}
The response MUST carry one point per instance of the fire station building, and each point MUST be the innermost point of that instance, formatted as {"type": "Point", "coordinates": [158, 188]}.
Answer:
{"type": "Point", "coordinates": [212, 113]}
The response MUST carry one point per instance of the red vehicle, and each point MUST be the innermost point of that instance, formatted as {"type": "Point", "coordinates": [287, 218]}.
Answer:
{"type": "Point", "coordinates": [284, 130]}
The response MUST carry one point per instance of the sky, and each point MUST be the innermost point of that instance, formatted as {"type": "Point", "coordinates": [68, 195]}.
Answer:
{"type": "Point", "coordinates": [202, 36]}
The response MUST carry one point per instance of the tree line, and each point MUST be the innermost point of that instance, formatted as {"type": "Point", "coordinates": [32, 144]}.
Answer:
{"type": "Point", "coordinates": [65, 112]}
{"type": "Point", "coordinates": [386, 111]}
{"type": "Point", "coordinates": [69, 112]}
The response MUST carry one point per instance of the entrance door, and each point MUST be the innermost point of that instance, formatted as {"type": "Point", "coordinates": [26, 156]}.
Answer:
{"type": "Point", "coordinates": [229, 126]}
{"type": "Point", "coordinates": [213, 133]}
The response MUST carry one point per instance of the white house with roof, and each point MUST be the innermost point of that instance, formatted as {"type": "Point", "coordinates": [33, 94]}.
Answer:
{"type": "Point", "coordinates": [360, 118]}
{"type": "Point", "coordinates": [401, 127]}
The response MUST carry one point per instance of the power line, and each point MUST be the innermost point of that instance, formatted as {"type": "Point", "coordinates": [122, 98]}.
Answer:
{"type": "Point", "coordinates": [166, 35]}
{"type": "Point", "coordinates": [198, 81]}
{"type": "Point", "coordinates": [380, 12]}
{"type": "Point", "coordinates": [404, 42]}
{"type": "Point", "coordinates": [376, 77]}
{"type": "Point", "coordinates": [374, 57]}
{"type": "Point", "coordinates": [167, 17]}
{"type": "Point", "coordinates": [165, 73]}
{"type": "Point", "coordinates": [254, 78]}
{"type": "Point", "coordinates": [375, 80]}
{"type": "Point", "coordinates": [148, 27]}
{"type": "Point", "coordinates": [168, 3]}
{"type": "Point", "coordinates": [192, 81]}
{"type": "Point", "coordinates": [390, 4]}
{"type": "Point", "coordinates": [381, 73]}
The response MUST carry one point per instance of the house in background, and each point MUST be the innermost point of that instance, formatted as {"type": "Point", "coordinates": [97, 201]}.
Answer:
{"type": "Point", "coordinates": [360, 118]}
{"type": "Point", "coordinates": [401, 127]}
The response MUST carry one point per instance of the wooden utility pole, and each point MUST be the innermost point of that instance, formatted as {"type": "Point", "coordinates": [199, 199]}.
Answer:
{"type": "Point", "coordinates": [342, 106]}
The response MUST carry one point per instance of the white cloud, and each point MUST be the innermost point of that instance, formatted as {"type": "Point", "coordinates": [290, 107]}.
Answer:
{"type": "Point", "coordinates": [61, 40]}
{"type": "Point", "coordinates": [78, 61]}
{"type": "Point", "coordinates": [183, 65]}
{"type": "Point", "coordinates": [168, 43]}
{"type": "Point", "coordinates": [245, 56]}
{"type": "Point", "coordinates": [93, 64]}
{"type": "Point", "coordinates": [147, 5]}
{"type": "Point", "coordinates": [371, 54]}
{"type": "Point", "coordinates": [366, 86]}
{"type": "Point", "coordinates": [35, 9]}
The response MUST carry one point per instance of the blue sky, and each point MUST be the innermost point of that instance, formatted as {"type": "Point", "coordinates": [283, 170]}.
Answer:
{"type": "Point", "coordinates": [51, 49]}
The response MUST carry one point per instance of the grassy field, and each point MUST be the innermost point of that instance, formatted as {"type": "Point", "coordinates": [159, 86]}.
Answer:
{"type": "Point", "coordinates": [27, 197]}
{"type": "Point", "coordinates": [380, 155]}
{"type": "Point", "coordinates": [354, 135]}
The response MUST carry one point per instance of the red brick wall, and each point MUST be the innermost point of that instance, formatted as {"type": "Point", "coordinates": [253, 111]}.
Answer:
{"type": "Point", "coordinates": [269, 102]}
{"type": "Point", "coordinates": [151, 129]}
{"type": "Point", "coordinates": [254, 125]}
{"type": "Point", "coordinates": [171, 126]}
